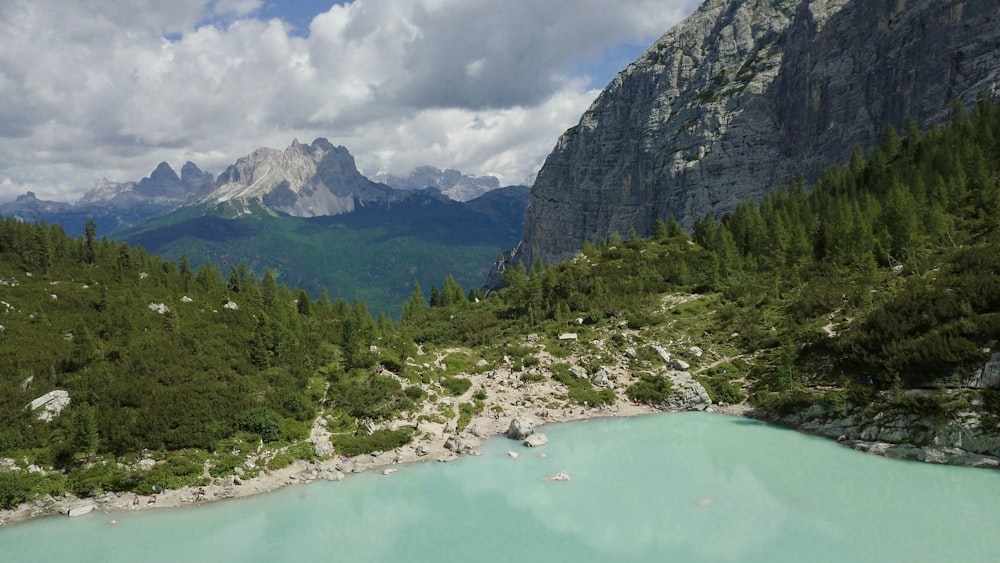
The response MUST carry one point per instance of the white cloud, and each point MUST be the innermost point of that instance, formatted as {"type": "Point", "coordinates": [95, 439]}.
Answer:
{"type": "Point", "coordinates": [111, 88]}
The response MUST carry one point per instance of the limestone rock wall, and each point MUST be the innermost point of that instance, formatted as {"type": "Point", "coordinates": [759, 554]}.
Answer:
{"type": "Point", "coordinates": [742, 96]}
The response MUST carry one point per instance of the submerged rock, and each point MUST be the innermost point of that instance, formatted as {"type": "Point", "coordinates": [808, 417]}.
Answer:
{"type": "Point", "coordinates": [561, 476]}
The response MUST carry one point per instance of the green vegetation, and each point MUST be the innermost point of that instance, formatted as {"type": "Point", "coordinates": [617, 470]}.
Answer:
{"type": "Point", "coordinates": [651, 389]}
{"type": "Point", "coordinates": [380, 440]}
{"type": "Point", "coordinates": [880, 278]}
{"type": "Point", "coordinates": [374, 255]}
{"type": "Point", "coordinates": [882, 275]}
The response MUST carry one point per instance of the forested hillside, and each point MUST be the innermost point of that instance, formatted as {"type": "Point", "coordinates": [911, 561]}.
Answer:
{"type": "Point", "coordinates": [882, 277]}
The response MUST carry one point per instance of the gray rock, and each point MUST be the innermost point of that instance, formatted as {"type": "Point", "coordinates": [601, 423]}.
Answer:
{"type": "Point", "coordinates": [455, 444]}
{"type": "Point", "coordinates": [687, 394]}
{"type": "Point", "coordinates": [578, 372]}
{"type": "Point", "coordinates": [988, 377]}
{"type": "Point", "coordinates": [51, 403]}
{"type": "Point", "coordinates": [695, 352]}
{"type": "Point", "coordinates": [661, 352]}
{"type": "Point", "coordinates": [601, 379]}
{"type": "Point", "coordinates": [679, 365]}
{"type": "Point", "coordinates": [322, 449]}
{"type": "Point", "coordinates": [422, 450]}
{"type": "Point", "coordinates": [520, 428]}
{"type": "Point", "coordinates": [561, 476]}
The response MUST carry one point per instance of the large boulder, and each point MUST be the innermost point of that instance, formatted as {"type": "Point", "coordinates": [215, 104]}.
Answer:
{"type": "Point", "coordinates": [455, 444]}
{"type": "Point", "coordinates": [520, 428]}
{"type": "Point", "coordinates": [688, 394]}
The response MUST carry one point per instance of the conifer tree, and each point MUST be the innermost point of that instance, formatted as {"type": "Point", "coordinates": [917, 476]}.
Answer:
{"type": "Point", "coordinates": [90, 241]}
{"type": "Point", "coordinates": [660, 231]}
{"type": "Point", "coordinates": [84, 427]}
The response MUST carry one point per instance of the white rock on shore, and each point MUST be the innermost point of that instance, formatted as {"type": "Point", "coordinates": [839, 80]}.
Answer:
{"type": "Point", "coordinates": [536, 440]}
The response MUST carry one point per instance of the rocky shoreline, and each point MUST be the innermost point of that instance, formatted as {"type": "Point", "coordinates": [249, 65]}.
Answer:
{"type": "Point", "coordinates": [432, 442]}
{"type": "Point", "coordinates": [960, 440]}
{"type": "Point", "coordinates": [517, 408]}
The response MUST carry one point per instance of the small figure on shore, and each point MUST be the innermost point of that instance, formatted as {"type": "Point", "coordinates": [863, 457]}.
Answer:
{"type": "Point", "coordinates": [135, 501]}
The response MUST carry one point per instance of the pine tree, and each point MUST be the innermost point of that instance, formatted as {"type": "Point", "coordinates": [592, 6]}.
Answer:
{"type": "Point", "coordinates": [85, 435]}
{"type": "Point", "coordinates": [303, 304]}
{"type": "Point", "coordinates": [234, 280]}
{"type": "Point", "coordinates": [90, 240]}
{"type": "Point", "coordinates": [416, 306]}
{"type": "Point", "coordinates": [674, 229]}
{"type": "Point", "coordinates": [660, 231]}
{"type": "Point", "coordinates": [452, 292]}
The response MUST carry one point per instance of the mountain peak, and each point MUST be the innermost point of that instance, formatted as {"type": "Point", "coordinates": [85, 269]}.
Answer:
{"type": "Point", "coordinates": [303, 180]}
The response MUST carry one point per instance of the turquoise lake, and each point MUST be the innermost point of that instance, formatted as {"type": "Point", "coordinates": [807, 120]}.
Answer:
{"type": "Point", "coordinates": [670, 487]}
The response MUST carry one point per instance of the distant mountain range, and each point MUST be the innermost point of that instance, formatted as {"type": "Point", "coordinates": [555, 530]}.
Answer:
{"type": "Point", "coordinates": [450, 182]}
{"type": "Point", "coordinates": [307, 213]}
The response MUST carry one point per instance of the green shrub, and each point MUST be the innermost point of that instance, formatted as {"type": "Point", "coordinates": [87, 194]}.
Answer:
{"type": "Point", "coordinates": [455, 386]}
{"type": "Point", "coordinates": [263, 422]}
{"type": "Point", "coordinates": [382, 439]}
{"type": "Point", "coordinates": [99, 478]}
{"type": "Point", "coordinates": [722, 390]}
{"type": "Point", "coordinates": [581, 390]}
{"type": "Point", "coordinates": [177, 471]}
{"type": "Point", "coordinates": [20, 486]}
{"type": "Point", "coordinates": [225, 464]}
{"type": "Point", "coordinates": [650, 389]}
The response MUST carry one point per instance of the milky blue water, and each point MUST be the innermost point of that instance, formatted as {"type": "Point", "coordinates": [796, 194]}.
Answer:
{"type": "Point", "coordinates": [672, 487]}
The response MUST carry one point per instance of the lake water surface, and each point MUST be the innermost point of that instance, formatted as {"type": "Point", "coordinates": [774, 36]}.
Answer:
{"type": "Point", "coordinates": [670, 487]}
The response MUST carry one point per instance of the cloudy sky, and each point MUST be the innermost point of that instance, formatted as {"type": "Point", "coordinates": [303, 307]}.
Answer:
{"type": "Point", "coordinates": [110, 88]}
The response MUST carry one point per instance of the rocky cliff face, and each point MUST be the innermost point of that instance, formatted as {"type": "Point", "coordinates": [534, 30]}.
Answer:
{"type": "Point", "coordinates": [303, 180]}
{"type": "Point", "coordinates": [742, 96]}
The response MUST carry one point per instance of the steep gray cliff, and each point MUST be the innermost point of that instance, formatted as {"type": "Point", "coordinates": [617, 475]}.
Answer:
{"type": "Point", "coordinates": [742, 96]}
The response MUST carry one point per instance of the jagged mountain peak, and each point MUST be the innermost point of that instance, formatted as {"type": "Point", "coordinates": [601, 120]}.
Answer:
{"type": "Point", "coordinates": [302, 180]}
